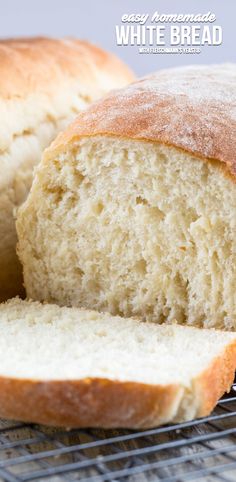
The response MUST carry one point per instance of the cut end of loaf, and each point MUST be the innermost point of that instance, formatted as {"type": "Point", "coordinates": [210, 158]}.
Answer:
{"type": "Point", "coordinates": [71, 367]}
{"type": "Point", "coordinates": [133, 228]}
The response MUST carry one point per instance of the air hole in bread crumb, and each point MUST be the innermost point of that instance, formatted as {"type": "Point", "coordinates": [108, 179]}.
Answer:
{"type": "Point", "coordinates": [78, 178]}
{"type": "Point", "coordinates": [141, 266]}
{"type": "Point", "coordinates": [140, 200]}
{"type": "Point", "coordinates": [93, 285]}
{"type": "Point", "coordinates": [205, 173]}
{"type": "Point", "coordinates": [98, 208]}
{"type": "Point", "coordinates": [58, 194]}
{"type": "Point", "coordinates": [156, 213]}
{"type": "Point", "coordinates": [166, 311]}
{"type": "Point", "coordinates": [79, 271]}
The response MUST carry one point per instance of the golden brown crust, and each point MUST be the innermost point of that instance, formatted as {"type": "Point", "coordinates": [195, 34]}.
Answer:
{"type": "Point", "coordinates": [109, 404]}
{"type": "Point", "coordinates": [216, 380]}
{"type": "Point", "coordinates": [191, 108]}
{"type": "Point", "coordinates": [88, 403]}
{"type": "Point", "coordinates": [23, 66]}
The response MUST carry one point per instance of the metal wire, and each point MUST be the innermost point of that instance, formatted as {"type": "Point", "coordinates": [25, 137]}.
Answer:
{"type": "Point", "coordinates": [201, 449]}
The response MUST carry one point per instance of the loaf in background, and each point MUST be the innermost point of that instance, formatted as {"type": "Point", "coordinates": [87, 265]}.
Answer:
{"type": "Point", "coordinates": [44, 83]}
{"type": "Point", "coordinates": [133, 208]}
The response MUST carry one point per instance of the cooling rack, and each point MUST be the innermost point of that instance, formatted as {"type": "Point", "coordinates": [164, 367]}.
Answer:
{"type": "Point", "coordinates": [203, 449]}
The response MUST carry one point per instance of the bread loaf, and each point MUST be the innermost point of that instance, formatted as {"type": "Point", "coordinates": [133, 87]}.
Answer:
{"type": "Point", "coordinates": [44, 83]}
{"type": "Point", "coordinates": [78, 368]}
{"type": "Point", "coordinates": [133, 209]}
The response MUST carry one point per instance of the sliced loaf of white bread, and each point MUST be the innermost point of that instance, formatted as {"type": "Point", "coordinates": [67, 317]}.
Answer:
{"type": "Point", "coordinates": [133, 208]}
{"type": "Point", "coordinates": [77, 368]}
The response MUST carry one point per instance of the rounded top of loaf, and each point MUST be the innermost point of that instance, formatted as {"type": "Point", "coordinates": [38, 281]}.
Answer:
{"type": "Point", "coordinates": [192, 108]}
{"type": "Point", "coordinates": [40, 65]}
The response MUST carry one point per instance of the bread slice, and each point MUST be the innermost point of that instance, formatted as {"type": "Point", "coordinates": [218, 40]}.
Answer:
{"type": "Point", "coordinates": [133, 209]}
{"type": "Point", "coordinates": [78, 368]}
{"type": "Point", "coordinates": [44, 83]}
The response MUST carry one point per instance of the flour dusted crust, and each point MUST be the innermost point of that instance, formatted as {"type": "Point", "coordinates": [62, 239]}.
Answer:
{"type": "Point", "coordinates": [192, 108]}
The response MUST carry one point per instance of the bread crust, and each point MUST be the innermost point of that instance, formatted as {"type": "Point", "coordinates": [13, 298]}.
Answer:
{"type": "Point", "coordinates": [216, 380]}
{"type": "Point", "coordinates": [88, 402]}
{"type": "Point", "coordinates": [106, 403]}
{"type": "Point", "coordinates": [191, 108]}
{"type": "Point", "coordinates": [40, 64]}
